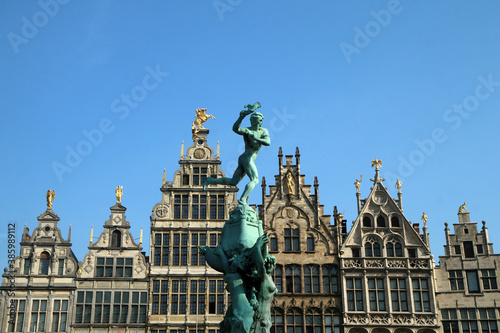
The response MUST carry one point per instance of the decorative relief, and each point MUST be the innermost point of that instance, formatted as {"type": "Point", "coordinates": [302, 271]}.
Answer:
{"type": "Point", "coordinates": [419, 263]}
{"type": "Point", "coordinates": [356, 319]}
{"type": "Point", "coordinates": [117, 219]}
{"type": "Point", "coordinates": [425, 319]}
{"type": "Point", "coordinates": [354, 263]}
{"type": "Point", "coordinates": [291, 213]}
{"type": "Point", "coordinates": [374, 263]}
{"type": "Point", "coordinates": [380, 319]}
{"type": "Point", "coordinates": [199, 153]}
{"type": "Point", "coordinates": [161, 210]}
{"type": "Point", "coordinates": [380, 198]}
{"type": "Point", "coordinates": [396, 263]}
{"type": "Point", "coordinates": [402, 319]}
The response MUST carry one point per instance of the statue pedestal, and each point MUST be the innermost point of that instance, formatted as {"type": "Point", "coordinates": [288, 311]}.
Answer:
{"type": "Point", "coordinates": [241, 230]}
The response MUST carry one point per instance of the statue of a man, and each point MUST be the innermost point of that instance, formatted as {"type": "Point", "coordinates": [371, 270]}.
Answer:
{"type": "Point", "coordinates": [255, 137]}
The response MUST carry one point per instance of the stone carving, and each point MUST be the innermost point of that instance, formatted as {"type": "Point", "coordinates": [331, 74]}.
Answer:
{"type": "Point", "coordinates": [419, 263]}
{"type": "Point", "coordinates": [356, 319]}
{"type": "Point", "coordinates": [353, 263]}
{"type": "Point", "coordinates": [374, 263]}
{"type": "Point", "coordinates": [161, 210]}
{"type": "Point", "coordinates": [380, 319]}
{"type": "Point", "coordinates": [199, 154]}
{"type": "Point", "coordinates": [425, 319]}
{"type": "Point", "coordinates": [398, 263]}
{"type": "Point", "coordinates": [402, 319]}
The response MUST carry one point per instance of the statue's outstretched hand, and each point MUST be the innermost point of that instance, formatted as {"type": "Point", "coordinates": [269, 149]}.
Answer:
{"type": "Point", "coordinates": [245, 113]}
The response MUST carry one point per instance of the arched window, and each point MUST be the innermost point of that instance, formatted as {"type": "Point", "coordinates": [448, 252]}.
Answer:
{"type": "Point", "coordinates": [313, 321]}
{"type": "Point", "coordinates": [116, 239]}
{"type": "Point", "coordinates": [332, 321]}
{"type": "Point", "coordinates": [394, 248]}
{"type": "Point", "coordinates": [330, 279]}
{"type": "Point", "coordinates": [311, 278]}
{"type": "Point", "coordinates": [278, 278]}
{"type": "Point", "coordinates": [367, 222]}
{"type": "Point", "coordinates": [372, 248]}
{"type": "Point", "coordinates": [395, 222]}
{"type": "Point", "coordinates": [44, 263]}
{"type": "Point", "coordinates": [294, 322]}
{"type": "Point", "coordinates": [277, 320]}
{"type": "Point", "coordinates": [381, 221]}
{"type": "Point", "coordinates": [293, 279]}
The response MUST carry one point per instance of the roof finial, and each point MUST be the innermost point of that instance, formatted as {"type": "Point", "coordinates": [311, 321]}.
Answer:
{"type": "Point", "coordinates": [462, 208]}
{"type": "Point", "coordinates": [119, 193]}
{"type": "Point", "coordinates": [182, 149]}
{"type": "Point", "coordinates": [357, 183]}
{"type": "Point", "coordinates": [140, 238]}
{"type": "Point", "coordinates": [164, 182]}
{"type": "Point", "coordinates": [398, 185]}
{"type": "Point", "coordinates": [91, 234]}
{"type": "Point", "coordinates": [50, 198]}
{"type": "Point", "coordinates": [377, 163]}
{"type": "Point", "coordinates": [424, 218]}
{"type": "Point", "coordinates": [218, 150]}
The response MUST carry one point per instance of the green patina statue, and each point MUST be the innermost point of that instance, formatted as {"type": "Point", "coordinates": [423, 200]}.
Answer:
{"type": "Point", "coordinates": [254, 136]}
{"type": "Point", "coordinates": [242, 255]}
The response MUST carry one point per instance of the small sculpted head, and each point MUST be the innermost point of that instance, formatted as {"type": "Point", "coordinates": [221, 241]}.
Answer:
{"type": "Point", "coordinates": [256, 118]}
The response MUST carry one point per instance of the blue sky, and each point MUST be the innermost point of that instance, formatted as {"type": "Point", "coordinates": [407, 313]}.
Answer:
{"type": "Point", "coordinates": [415, 84]}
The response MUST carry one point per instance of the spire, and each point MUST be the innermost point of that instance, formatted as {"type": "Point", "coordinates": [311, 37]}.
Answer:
{"type": "Point", "coordinates": [182, 149]}
{"type": "Point", "coordinates": [69, 233]}
{"type": "Point", "coordinates": [297, 160]}
{"type": "Point", "coordinates": [91, 236]}
{"type": "Point", "coordinates": [140, 238]}
{"type": "Point", "coordinates": [218, 150]}
{"type": "Point", "coordinates": [164, 178]}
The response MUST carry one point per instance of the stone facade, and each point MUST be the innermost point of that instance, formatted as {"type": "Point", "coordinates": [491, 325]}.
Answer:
{"type": "Point", "coordinates": [467, 287]}
{"type": "Point", "coordinates": [378, 277]}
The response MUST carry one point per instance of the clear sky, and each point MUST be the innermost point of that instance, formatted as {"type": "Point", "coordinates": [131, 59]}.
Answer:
{"type": "Point", "coordinates": [413, 83]}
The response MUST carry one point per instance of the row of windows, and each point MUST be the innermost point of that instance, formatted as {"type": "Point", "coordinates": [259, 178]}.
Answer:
{"type": "Point", "coordinates": [198, 177]}
{"type": "Point", "coordinates": [381, 222]}
{"type": "Point", "coordinates": [468, 249]}
{"type": "Point", "coordinates": [183, 331]}
{"type": "Point", "coordinates": [199, 208]}
{"type": "Point", "coordinates": [97, 307]}
{"type": "Point", "coordinates": [488, 278]}
{"type": "Point", "coordinates": [184, 246]}
{"type": "Point", "coordinates": [469, 322]}
{"type": "Point", "coordinates": [197, 294]}
{"type": "Point", "coordinates": [393, 249]}
{"type": "Point", "coordinates": [39, 315]}
{"type": "Point", "coordinates": [312, 321]}
{"type": "Point", "coordinates": [114, 267]}
{"type": "Point", "coordinates": [45, 266]}
{"type": "Point", "coordinates": [398, 293]}
{"type": "Point", "coordinates": [291, 241]}
{"type": "Point", "coordinates": [291, 277]}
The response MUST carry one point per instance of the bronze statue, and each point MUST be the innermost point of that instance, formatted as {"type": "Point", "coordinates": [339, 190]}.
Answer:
{"type": "Point", "coordinates": [50, 198]}
{"type": "Point", "coordinates": [255, 137]}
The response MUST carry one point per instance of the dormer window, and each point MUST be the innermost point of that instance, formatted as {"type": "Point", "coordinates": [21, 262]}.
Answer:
{"type": "Point", "coordinates": [381, 221]}
{"type": "Point", "coordinates": [367, 222]}
{"type": "Point", "coordinates": [116, 239]}
{"type": "Point", "coordinates": [395, 222]}
{"type": "Point", "coordinates": [466, 231]}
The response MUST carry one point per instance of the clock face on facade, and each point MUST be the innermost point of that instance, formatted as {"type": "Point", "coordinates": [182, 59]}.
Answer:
{"type": "Point", "coordinates": [199, 153]}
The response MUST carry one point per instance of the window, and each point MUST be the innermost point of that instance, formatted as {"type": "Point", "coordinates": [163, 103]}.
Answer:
{"type": "Point", "coordinates": [332, 321]}
{"type": "Point", "coordinates": [102, 307]}
{"type": "Point", "coordinates": [104, 267]}
{"type": "Point", "coordinates": [199, 175]}
{"type": "Point", "coordinates": [197, 297]}
{"type": "Point", "coordinates": [216, 296]}
{"type": "Point", "coordinates": [162, 242]}
{"type": "Point", "coordinates": [178, 303]}
{"type": "Point", "coordinates": [213, 240]}
{"type": "Point", "coordinates": [185, 179]}
{"type": "Point", "coordinates": [380, 221]}
{"type": "Point", "coordinates": [395, 222]}
{"type": "Point", "coordinates": [124, 267]}
{"type": "Point", "coordinates": [354, 294]}
{"type": "Point", "coordinates": [44, 263]}
{"type": "Point", "coordinates": [277, 321]}
{"type": "Point", "coordinates": [38, 314]}
{"type": "Point", "coordinates": [273, 241]}
{"type": "Point", "coordinates": [372, 248]}
{"type": "Point", "coordinates": [421, 297]}
{"type": "Point", "coordinates": [294, 322]}
{"type": "Point", "coordinates": [450, 321]}
{"type": "Point", "coordinates": [179, 249]}
{"type": "Point", "coordinates": [184, 249]}
{"type": "Point", "coordinates": [60, 315]}
{"type": "Point", "coordinates": [181, 202]}
{"type": "Point", "coordinates": [27, 266]}
{"type": "Point", "coordinates": [394, 248]}
{"type": "Point", "coordinates": [138, 307]}
{"type": "Point", "coordinates": [488, 321]}
{"type": "Point", "coordinates": [278, 278]}
{"type": "Point", "coordinates": [367, 222]}
{"type": "Point", "coordinates": [217, 207]}
{"type": "Point", "coordinates": [116, 238]}
{"type": "Point", "coordinates": [330, 279]}
{"type": "Point", "coordinates": [376, 294]}
{"type": "Point", "coordinates": [468, 250]}
{"type": "Point", "coordinates": [108, 267]}
{"type": "Point", "coordinates": [292, 239]}
{"type": "Point", "coordinates": [121, 302]}
{"type": "Point", "coordinates": [466, 231]}
{"type": "Point", "coordinates": [310, 243]}
{"type": "Point", "coordinates": [16, 323]}
{"type": "Point", "coordinates": [61, 267]}
{"type": "Point", "coordinates": [83, 307]}
{"type": "Point", "coordinates": [197, 240]}
{"type": "Point", "coordinates": [293, 280]}
{"type": "Point", "coordinates": [468, 320]}
{"type": "Point", "coordinates": [313, 321]}
{"type": "Point", "coordinates": [456, 280]}
{"type": "Point", "coordinates": [399, 297]}
{"type": "Point", "coordinates": [355, 253]}
{"type": "Point", "coordinates": [412, 253]}
{"type": "Point", "coordinates": [472, 281]}
{"type": "Point", "coordinates": [311, 278]}
{"type": "Point", "coordinates": [479, 249]}
{"type": "Point", "coordinates": [160, 297]}
{"type": "Point", "coordinates": [199, 208]}
{"type": "Point", "coordinates": [489, 279]}
{"type": "Point", "coordinates": [457, 249]}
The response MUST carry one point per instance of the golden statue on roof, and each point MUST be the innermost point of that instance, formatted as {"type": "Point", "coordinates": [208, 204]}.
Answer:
{"type": "Point", "coordinates": [357, 183]}
{"type": "Point", "coordinates": [119, 193]}
{"type": "Point", "coordinates": [377, 163]}
{"type": "Point", "coordinates": [201, 117]}
{"type": "Point", "coordinates": [462, 208]}
{"type": "Point", "coordinates": [398, 184]}
{"type": "Point", "coordinates": [50, 198]}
